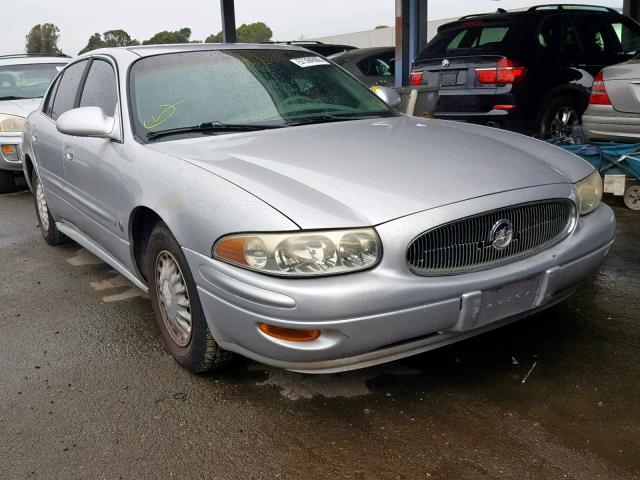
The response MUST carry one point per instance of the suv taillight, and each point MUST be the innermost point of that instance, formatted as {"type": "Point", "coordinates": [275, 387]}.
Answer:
{"type": "Point", "coordinates": [415, 78]}
{"type": "Point", "coordinates": [505, 72]}
{"type": "Point", "coordinates": [599, 95]}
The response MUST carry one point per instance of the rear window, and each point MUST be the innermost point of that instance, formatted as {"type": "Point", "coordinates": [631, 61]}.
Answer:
{"type": "Point", "coordinates": [470, 38]}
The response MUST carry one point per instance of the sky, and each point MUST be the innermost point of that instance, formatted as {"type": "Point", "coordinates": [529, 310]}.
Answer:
{"type": "Point", "coordinates": [289, 19]}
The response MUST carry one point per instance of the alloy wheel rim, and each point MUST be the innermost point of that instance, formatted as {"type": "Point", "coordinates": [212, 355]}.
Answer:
{"type": "Point", "coordinates": [43, 210]}
{"type": "Point", "coordinates": [563, 122]}
{"type": "Point", "coordinates": [173, 298]}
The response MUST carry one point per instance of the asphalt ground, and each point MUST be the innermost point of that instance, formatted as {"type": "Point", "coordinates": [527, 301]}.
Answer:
{"type": "Point", "coordinates": [87, 389]}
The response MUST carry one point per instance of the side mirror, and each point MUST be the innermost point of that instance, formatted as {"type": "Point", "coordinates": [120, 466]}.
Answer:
{"type": "Point", "coordinates": [88, 122]}
{"type": "Point", "coordinates": [388, 96]}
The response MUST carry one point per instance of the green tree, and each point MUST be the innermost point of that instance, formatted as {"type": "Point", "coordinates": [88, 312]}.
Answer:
{"type": "Point", "coordinates": [181, 36]}
{"type": "Point", "coordinates": [43, 38]}
{"type": "Point", "coordinates": [118, 38]}
{"type": "Point", "coordinates": [95, 42]}
{"type": "Point", "coordinates": [110, 38]}
{"type": "Point", "coordinates": [257, 32]}
{"type": "Point", "coordinates": [381, 26]}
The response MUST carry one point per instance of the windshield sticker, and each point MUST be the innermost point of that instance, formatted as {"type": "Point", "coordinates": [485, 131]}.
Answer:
{"type": "Point", "coordinates": [157, 118]}
{"type": "Point", "coordinates": [305, 62]}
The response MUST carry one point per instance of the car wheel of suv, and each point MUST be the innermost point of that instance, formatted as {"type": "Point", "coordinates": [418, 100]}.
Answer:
{"type": "Point", "coordinates": [177, 307]}
{"type": "Point", "coordinates": [47, 224]}
{"type": "Point", "coordinates": [7, 181]}
{"type": "Point", "coordinates": [559, 118]}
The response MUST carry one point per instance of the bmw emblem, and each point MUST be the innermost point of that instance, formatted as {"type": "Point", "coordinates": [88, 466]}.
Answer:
{"type": "Point", "coordinates": [445, 63]}
{"type": "Point", "coordinates": [501, 234]}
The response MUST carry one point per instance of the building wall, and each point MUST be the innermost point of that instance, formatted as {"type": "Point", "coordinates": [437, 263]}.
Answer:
{"type": "Point", "coordinates": [383, 37]}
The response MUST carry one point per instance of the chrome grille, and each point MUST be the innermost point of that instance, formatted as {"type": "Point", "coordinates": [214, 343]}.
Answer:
{"type": "Point", "coordinates": [470, 244]}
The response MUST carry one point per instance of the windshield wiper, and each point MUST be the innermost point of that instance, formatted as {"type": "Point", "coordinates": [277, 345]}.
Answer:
{"type": "Point", "coordinates": [15, 98]}
{"type": "Point", "coordinates": [211, 127]}
{"type": "Point", "coordinates": [328, 118]}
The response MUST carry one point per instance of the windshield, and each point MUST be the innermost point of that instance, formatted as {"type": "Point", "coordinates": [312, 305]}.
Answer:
{"type": "Point", "coordinates": [253, 88]}
{"type": "Point", "coordinates": [27, 81]}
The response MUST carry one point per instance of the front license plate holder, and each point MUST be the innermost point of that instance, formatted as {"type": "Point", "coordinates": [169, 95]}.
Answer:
{"type": "Point", "coordinates": [508, 300]}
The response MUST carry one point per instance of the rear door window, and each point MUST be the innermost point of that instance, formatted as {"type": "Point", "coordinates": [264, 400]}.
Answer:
{"type": "Point", "coordinates": [68, 89]}
{"type": "Point", "coordinates": [473, 37]}
{"type": "Point", "coordinates": [603, 34]}
{"type": "Point", "coordinates": [378, 65]}
{"type": "Point", "coordinates": [557, 33]}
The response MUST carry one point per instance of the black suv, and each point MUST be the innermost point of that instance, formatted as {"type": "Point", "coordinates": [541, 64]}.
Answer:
{"type": "Point", "coordinates": [529, 71]}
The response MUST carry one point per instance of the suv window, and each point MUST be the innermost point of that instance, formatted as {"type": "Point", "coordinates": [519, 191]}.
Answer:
{"type": "Point", "coordinates": [600, 34]}
{"type": "Point", "coordinates": [557, 33]}
{"type": "Point", "coordinates": [379, 65]}
{"type": "Point", "coordinates": [474, 37]}
{"type": "Point", "coordinates": [68, 89]}
{"type": "Point", "coordinates": [100, 88]}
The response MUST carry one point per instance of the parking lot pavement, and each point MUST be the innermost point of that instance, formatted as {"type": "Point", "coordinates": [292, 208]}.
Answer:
{"type": "Point", "coordinates": [88, 391]}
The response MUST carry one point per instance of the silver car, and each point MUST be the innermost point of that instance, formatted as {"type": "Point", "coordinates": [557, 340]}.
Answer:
{"type": "Point", "coordinates": [24, 80]}
{"type": "Point", "coordinates": [614, 106]}
{"type": "Point", "coordinates": [274, 207]}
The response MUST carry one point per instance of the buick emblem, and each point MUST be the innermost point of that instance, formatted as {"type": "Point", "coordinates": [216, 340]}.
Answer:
{"type": "Point", "coordinates": [501, 234]}
{"type": "Point", "coordinates": [445, 63]}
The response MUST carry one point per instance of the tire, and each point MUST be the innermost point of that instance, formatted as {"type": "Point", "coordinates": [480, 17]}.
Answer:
{"type": "Point", "coordinates": [47, 224]}
{"type": "Point", "coordinates": [176, 303]}
{"type": "Point", "coordinates": [7, 181]}
{"type": "Point", "coordinates": [559, 117]}
{"type": "Point", "coordinates": [632, 197]}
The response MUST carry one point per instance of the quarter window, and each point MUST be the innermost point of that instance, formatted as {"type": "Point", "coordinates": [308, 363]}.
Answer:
{"type": "Point", "coordinates": [100, 88]}
{"type": "Point", "coordinates": [68, 89]}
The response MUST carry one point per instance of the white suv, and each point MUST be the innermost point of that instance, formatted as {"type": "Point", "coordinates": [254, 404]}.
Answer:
{"type": "Point", "coordinates": [24, 79]}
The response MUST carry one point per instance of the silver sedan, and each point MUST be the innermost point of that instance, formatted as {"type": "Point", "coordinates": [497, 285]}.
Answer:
{"type": "Point", "coordinates": [614, 106]}
{"type": "Point", "coordinates": [274, 207]}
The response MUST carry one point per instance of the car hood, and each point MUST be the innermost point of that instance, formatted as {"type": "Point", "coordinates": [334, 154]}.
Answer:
{"type": "Point", "coordinates": [367, 172]}
{"type": "Point", "coordinates": [21, 108]}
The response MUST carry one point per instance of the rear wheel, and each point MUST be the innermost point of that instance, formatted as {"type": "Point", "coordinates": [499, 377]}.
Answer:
{"type": "Point", "coordinates": [7, 181]}
{"type": "Point", "coordinates": [177, 307]}
{"type": "Point", "coordinates": [45, 221]}
{"type": "Point", "coordinates": [559, 118]}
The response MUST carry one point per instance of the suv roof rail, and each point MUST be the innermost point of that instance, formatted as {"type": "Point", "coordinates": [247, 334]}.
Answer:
{"type": "Point", "coordinates": [572, 6]}
{"type": "Point", "coordinates": [27, 55]}
{"type": "Point", "coordinates": [474, 15]}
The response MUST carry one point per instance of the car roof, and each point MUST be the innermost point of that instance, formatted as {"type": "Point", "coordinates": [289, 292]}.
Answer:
{"type": "Point", "coordinates": [24, 59]}
{"type": "Point", "coordinates": [533, 13]}
{"type": "Point", "coordinates": [148, 50]}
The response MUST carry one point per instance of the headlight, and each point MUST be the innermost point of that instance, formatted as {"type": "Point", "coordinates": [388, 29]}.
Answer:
{"type": "Point", "coordinates": [11, 123]}
{"type": "Point", "coordinates": [303, 254]}
{"type": "Point", "coordinates": [589, 192]}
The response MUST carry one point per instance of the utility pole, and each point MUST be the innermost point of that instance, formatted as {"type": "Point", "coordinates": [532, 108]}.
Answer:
{"type": "Point", "coordinates": [227, 10]}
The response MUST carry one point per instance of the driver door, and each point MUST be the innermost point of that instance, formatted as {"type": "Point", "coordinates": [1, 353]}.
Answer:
{"type": "Point", "coordinates": [89, 162]}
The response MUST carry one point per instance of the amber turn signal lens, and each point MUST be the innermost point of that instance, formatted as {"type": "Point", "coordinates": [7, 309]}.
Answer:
{"type": "Point", "coordinates": [232, 249]}
{"type": "Point", "coordinates": [8, 149]}
{"type": "Point", "coordinates": [289, 334]}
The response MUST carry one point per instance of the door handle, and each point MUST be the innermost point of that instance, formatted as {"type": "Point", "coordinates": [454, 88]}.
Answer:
{"type": "Point", "coordinates": [68, 153]}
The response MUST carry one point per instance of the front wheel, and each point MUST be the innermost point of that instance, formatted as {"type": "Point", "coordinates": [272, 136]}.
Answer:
{"type": "Point", "coordinates": [176, 305]}
{"type": "Point", "coordinates": [559, 118]}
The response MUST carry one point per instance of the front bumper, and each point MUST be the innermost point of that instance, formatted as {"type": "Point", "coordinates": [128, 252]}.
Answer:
{"type": "Point", "coordinates": [15, 140]}
{"type": "Point", "coordinates": [388, 313]}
